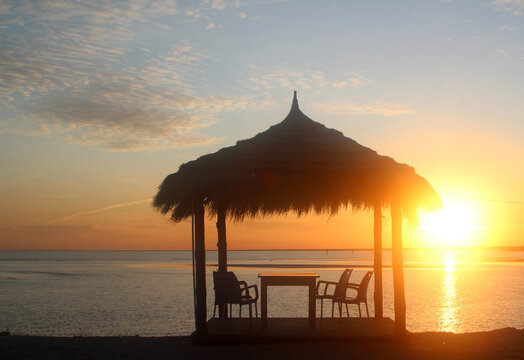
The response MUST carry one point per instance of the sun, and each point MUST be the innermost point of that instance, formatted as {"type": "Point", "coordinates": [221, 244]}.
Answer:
{"type": "Point", "coordinates": [456, 224]}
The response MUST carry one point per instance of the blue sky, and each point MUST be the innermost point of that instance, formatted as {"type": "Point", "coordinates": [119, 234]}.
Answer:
{"type": "Point", "coordinates": [100, 100]}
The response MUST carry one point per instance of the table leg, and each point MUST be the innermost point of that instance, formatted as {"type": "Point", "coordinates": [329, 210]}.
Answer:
{"type": "Point", "coordinates": [312, 305]}
{"type": "Point", "coordinates": [264, 305]}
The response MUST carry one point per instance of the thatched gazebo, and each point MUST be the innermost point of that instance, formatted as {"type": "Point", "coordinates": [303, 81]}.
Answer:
{"type": "Point", "coordinates": [297, 165]}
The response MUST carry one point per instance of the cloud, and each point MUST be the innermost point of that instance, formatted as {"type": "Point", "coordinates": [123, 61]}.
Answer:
{"type": "Point", "coordinates": [137, 108]}
{"type": "Point", "coordinates": [302, 78]}
{"type": "Point", "coordinates": [357, 80]}
{"type": "Point", "coordinates": [377, 108]}
{"type": "Point", "coordinates": [514, 6]}
{"type": "Point", "coordinates": [74, 70]}
{"type": "Point", "coordinates": [106, 208]}
{"type": "Point", "coordinates": [340, 84]}
{"type": "Point", "coordinates": [54, 44]}
{"type": "Point", "coordinates": [282, 77]}
{"type": "Point", "coordinates": [210, 26]}
{"type": "Point", "coordinates": [218, 4]}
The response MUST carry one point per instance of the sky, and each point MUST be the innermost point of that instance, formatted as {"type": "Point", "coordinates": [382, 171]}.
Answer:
{"type": "Point", "coordinates": [100, 100]}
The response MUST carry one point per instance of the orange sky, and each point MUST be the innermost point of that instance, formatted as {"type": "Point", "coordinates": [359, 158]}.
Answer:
{"type": "Point", "coordinates": [100, 101]}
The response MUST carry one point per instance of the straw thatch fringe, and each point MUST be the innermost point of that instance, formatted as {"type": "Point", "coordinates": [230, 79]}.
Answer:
{"type": "Point", "coordinates": [297, 165]}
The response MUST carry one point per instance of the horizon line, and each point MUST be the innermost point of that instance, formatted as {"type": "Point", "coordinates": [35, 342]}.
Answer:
{"type": "Point", "coordinates": [504, 248]}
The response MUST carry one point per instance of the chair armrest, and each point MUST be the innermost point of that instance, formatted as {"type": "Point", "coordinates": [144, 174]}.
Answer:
{"type": "Point", "coordinates": [329, 282]}
{"type": "Point", "coordinates": [256, 291]}
{"type": "Point", "coordinates": [354, 288]}
{"type": "Point", "coordinates": [326, 285]}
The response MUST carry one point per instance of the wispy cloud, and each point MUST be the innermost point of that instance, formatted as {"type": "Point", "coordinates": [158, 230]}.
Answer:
{"type": "Point", "coordinates": [340, 84]}
{"type": "Point", "coordinates": [76, 70]}
{"type": "Point", "coordinates": [138, 108]}
{"type": "Point", "coordinates": [358, 80]}
{"type": "Point", "coordinates": [219, 4]}
{"type": "Point", "coordinates": [349, 107]}
{"type": "Point", "coordinates": [514, 6]}
{"type": "Point", "coordinates": [284, 77]}
{"type": "Point", "coordinates": [106, 208]}
{"type": "Point", "coordinates": [277, 78]}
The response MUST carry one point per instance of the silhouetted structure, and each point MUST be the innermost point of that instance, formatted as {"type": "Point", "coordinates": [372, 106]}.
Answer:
{"type": "Point", "coordinates": [297, 165]}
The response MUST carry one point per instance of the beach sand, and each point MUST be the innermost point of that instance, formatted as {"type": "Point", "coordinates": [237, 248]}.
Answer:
{"type": "Point", "coordinates": [498, 344]}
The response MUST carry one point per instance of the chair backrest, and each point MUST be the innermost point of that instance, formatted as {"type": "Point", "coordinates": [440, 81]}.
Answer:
{"type": "Point", "coordinates": [363, 288]}
{"type": "Point", "coordinates": [227, 288]}
{"type": "Point", "coordinates": [340, 288]}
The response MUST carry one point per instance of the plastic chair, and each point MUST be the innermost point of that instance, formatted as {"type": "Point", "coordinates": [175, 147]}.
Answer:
{"type": "Point", "coordinates": [340, 288]}
{"type": "Point", "coordinates": [361, 296]}
{"type": "Point", "coordinates": [229, 290]}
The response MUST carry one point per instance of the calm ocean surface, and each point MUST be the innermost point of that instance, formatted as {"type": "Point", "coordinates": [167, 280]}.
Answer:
{"type": "Point", "coordinates": [150, 293]}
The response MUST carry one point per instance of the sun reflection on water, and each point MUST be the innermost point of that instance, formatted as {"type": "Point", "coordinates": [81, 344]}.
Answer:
{"type": "Point", "coordinates": [448, 318]}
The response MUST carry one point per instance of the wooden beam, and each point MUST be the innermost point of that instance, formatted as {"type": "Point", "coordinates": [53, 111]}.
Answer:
{"type": "Point", "coordinates": [398, 269]}
{"type": "Point", "coordinates": [222, 244]}
{"type": "Point", "coordinates": [222, 251]}
{"type": "Point", "coordinates": [200, 269]}
{"type": "Point", "coordinates": [377, 263]}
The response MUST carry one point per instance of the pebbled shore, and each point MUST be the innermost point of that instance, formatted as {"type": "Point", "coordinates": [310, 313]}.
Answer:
{"type": "Point", "coordinates": [497, 344]}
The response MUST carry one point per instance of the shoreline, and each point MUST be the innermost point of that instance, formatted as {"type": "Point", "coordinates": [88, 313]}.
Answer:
{"type": "Point", "coordinates": [507, 343]}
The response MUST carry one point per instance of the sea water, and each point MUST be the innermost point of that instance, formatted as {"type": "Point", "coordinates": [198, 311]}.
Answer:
{"type": "Point", "coordinates": [150, 293]}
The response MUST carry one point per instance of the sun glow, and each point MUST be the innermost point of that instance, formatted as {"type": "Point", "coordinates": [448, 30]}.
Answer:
{"type": "Point", "coordinates": [455, 225]}
{"type": "Point", "coordinates": [449, 262]}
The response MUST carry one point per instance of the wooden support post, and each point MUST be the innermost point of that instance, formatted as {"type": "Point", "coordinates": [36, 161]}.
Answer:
{"type": "Point", "coordinates": [377, 264]}
{"type": "Point", "coordinates": [200, 269]}
{"type": "Point", "coordinates": [222, 244]}
{"type": "Point", "coordinates": [222, 251]}
{"type": "Point", "coordinates": [398, 269]}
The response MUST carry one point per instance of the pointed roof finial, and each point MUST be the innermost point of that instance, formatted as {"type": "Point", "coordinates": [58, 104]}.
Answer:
{"type": "Point", "coordinates": [294, 106]}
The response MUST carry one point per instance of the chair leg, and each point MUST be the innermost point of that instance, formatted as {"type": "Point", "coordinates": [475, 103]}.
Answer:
{"type": "Point", "coordinates": [339, 310]}
{"type": "Point", "coordinates": [367, 311]}
{"type": "Point", "coordinates": [250, 311]}
{"type": "Point", "coordinates": [347, 310]}
{"type": "Point", "coordinates": [256, 310]}
{"type": "Point", "coordinates": [332, 309]}
{"type": "Point", "coordinates": [214, 310]}
{"type": "Point", "coordinates": [321, 307]}
{"type": "Point", "coordinates": [359, 312]}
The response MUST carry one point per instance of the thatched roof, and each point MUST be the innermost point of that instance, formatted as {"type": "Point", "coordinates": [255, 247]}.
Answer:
{"type": "Point", "coordinates": [297, 165]}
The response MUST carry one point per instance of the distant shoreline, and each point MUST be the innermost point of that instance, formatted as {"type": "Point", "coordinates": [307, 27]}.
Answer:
{"type": "Point", "coordinates": [487, 248]}
{"type": "Point", "coordinates": [323, 266]}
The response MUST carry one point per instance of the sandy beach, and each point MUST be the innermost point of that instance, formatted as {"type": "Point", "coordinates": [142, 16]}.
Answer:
{"type": "Point", "coordinates": [497, 344]}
